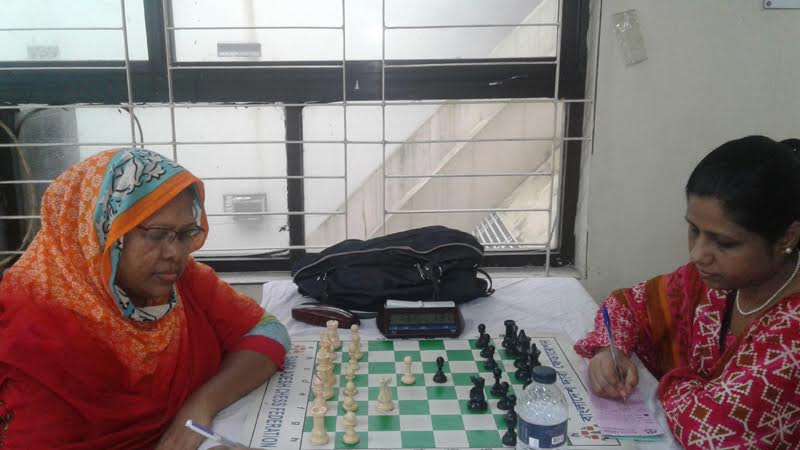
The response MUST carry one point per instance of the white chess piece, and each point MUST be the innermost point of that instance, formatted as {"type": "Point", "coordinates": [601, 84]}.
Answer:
{"type": "Point", "coordinates": [385, 403]}
{"type": "Point", "coordinates": [353, 364]}
{"type": "Point", "coordinates": [350, 388]}
{"type": "Point", "coordinates": [328, 380]}
{"type": "Point", "coordinates": [319, 436]}
{"type": "Point", "coordinates": [355, 343]}
{"type": "Point", "coordinates": [316, 388]}
{"type": "Point", "coordinates": [326, 347]}
{"type": "Point", "coordinates": [333, 334]}
{"type": "Point", "coordinates": [351, 374]}
{"type": "Point", "coordinates": [349, 418]}
{"type": "Point", "coordinates": [408, 377]}
{"type": "Point", "coordinates": [349, 404]}
{"type": "Point", "coordinates": [350, 436]}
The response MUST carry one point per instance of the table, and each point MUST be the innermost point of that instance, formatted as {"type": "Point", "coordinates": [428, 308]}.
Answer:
{"type": "Point", "coordinates": [555, 305]}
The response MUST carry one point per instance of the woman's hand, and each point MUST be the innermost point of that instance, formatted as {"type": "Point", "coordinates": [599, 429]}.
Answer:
{"type": "Point", "coordinates": [603, 375]}
{"type": "Point", "coordinates": [177, 436]}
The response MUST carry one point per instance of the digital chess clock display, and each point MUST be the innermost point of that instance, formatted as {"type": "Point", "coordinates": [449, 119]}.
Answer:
{"type": "Point", "coordinates": [403, 319]}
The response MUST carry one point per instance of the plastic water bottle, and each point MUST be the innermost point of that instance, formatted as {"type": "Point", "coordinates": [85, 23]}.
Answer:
{"type": "Point", "coordinates": [542, 413]}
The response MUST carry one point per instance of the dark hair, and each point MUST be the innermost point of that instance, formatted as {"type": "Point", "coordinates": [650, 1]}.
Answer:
{"type": "Point", "coordinates": [756, 180]}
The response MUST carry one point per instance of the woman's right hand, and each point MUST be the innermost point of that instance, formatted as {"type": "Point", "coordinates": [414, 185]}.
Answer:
{"type": "Point", "coordinates": [603, 375]}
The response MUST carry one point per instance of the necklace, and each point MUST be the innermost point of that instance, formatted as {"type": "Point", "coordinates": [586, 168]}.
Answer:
{"type": "Point", "coordinates": [769, 300]}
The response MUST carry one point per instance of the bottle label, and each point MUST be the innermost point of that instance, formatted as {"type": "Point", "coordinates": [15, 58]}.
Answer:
{"type": "Point", "coordinates": [542, 436]}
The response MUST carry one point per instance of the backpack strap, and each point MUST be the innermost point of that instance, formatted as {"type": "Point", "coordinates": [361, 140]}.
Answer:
{"type": "Point", "coordinates": [490, 289]}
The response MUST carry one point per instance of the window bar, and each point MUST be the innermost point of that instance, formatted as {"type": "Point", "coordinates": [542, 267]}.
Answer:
{"type": "Point", "coordinates": [473, 25]}
{"type": "Point", "coordinates": [257, 27]}
{"type": "Point", "coordinates": [470, 64]}
{"type": "Point", "coordinates": [63, 29]}
{"type": "Point", "coordinates": [344, 111]}
{"type": "Point", "coordinates": [168, 56]}
{"type": "Point", "coordinates": [77, 68]}
{"type": "Point", "coordinates": [463, 210]}
{"type": "Point", "coordinates": [550, 219]}
{"type": "Point", "coordinates": [265, 66]}
{"type": "Point", "coordinates": [277, 142]}
{"type": "Point", "coordinates": [383, 111]}
{"type": "Point", "coordinates": [128, 74]}
{"type": "Point", "coordinates": [258, 104]}
{"type": "Point", "coordinates": [477, 175]}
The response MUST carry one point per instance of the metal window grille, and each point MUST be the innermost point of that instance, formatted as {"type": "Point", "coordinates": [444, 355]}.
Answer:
{"type": "Point", "coordinates": [165, 82]}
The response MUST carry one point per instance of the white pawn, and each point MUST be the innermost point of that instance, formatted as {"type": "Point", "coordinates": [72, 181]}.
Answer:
{"type": "Point", "coordinates": [333, 334]}
{"type": "Point", "coordinates": [408, 377]}
{"type": "Point", "coordinates": [352, 365]}
{"type": "Point", "coordinates": [350, 436]}
{"type": "Point", "coordinates": [350, 389]}
{"type": "Point", "coordinates": [351, 374]}
{"type": "Point", "coordinates": [316, 387]}
{"type": "Point", "coordinates": [355, 343]}
{"type": "Point", "coordinates": [349, 419]}
{"type": "Point", "coordinates": [349, 404]}
{"type": "Point", "coordinates": [385, 403]}
{"type": "Point", "coordinates": [319, 436]}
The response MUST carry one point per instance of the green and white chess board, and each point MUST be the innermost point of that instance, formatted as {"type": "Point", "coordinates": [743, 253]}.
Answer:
{"type": "Point", "coordinates": [426, 414]}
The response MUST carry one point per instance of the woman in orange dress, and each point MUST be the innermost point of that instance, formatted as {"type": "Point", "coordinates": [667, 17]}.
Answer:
{"type": "Point", "coordinates": [111, 335]}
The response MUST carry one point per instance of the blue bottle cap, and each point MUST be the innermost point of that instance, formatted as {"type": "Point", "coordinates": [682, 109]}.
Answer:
{"type": "Point", "coordinates": [544, 375]}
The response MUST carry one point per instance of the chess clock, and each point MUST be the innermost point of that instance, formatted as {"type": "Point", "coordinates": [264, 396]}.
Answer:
{"type": "Point", "coordinates": [408, 320]}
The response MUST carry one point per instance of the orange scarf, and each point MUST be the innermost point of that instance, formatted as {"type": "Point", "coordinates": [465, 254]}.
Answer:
{"type": "Point", "coordinates": [67, 267]}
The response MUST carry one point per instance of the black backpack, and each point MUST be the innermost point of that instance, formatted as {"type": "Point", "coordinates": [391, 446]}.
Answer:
{"type": "Point", "coordinates": [429, 263]}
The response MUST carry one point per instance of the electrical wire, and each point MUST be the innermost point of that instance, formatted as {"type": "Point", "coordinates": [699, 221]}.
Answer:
{"type": "Point", "coordinates": [30, 198]}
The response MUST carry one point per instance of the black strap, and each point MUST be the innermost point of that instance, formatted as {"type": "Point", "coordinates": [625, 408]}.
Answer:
{"type": "Point", "coordinates": [490, 289]}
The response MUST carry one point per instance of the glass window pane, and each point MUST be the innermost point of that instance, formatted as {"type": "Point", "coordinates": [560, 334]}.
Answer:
{"type": "Point", "coordinates": [71, 45]}
{"type": "Point", "coordinates": [364, 32]}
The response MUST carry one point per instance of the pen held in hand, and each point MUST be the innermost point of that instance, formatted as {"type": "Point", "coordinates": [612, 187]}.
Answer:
{"type": "Point", "coordinates": [211, 434]}
{"type": "Point", "coordinates": [613, 347]}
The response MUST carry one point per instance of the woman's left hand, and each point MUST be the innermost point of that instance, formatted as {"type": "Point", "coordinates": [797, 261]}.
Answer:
{"type": "Point", "coordinates": [177, 436]}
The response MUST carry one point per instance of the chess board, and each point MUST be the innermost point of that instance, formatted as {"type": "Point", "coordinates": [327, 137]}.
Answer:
{"type": "Point", "coordinates": [426, 414]}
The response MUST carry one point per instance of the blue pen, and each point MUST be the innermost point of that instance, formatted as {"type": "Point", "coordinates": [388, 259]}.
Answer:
{"type": "Point", "coordinates": [612, 346]}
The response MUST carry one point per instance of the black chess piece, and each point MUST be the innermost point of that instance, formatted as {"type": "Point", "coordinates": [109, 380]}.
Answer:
{"type": "Point", "coordinates": [534, 357]}
{"type": "Point", "coordinates": [510, 324]}
{"type": "Point", "coordinates": [535, 352]}
{"type": "Point", "coordinates": [512, 402]}
{"type": "Point", "coordinates": [524, 372]}
{"type": "Point", "coordinates": [482, 341]}
{"type": "Point", "coordinates": [503, 402]}
{"type": "Point", "coordinates": [490, 363]}
{"type": "Point", "coordinates": [477, 397]}
{"type": "Point", "coordinates": [522, 360]}
{"type": "Point", "coordinates": [439, 376]}
{"type": "Point", "coordinates": [522, 336]}
{"type": "Point", "coordinates": [527, 382]}
{"type": "Point", "coordinates": [497, 388]}
{"type": "Point", "coordinates": [488, 352]}
{"type": "Point", "coordinates": [511, 346]}
{"type": "Point", "coordinates": [510, 436]}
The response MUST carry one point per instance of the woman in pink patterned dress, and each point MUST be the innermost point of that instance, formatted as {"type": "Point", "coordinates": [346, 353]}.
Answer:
{"type": "Point", "coordinates": [722, 333]}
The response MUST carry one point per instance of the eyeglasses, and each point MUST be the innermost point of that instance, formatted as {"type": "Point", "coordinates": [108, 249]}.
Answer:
{"type": "Point", "coordinates": [165, 236]}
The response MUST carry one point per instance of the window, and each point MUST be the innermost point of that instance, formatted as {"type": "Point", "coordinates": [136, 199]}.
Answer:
{"type": "Point", "coordinates": [311, 121]}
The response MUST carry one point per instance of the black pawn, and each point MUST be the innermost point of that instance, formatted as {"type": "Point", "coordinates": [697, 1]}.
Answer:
{"type": "Point", "coordinates": [510, 437]}
{"type": "Point", "coordinates": [482, 337]}
{"type": "Point", "coordinates": [509, 403]}
{"type": "Point", "coordinates": [510, 324]}
{"type": "Point", "coordinates": [439, 376]}
{"type": "Point", "coordinates": [490, 364]}
{"type": "Point", "coordinates": [497, 388]}
{"type": "Point", "coordinates": [488, 352]}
